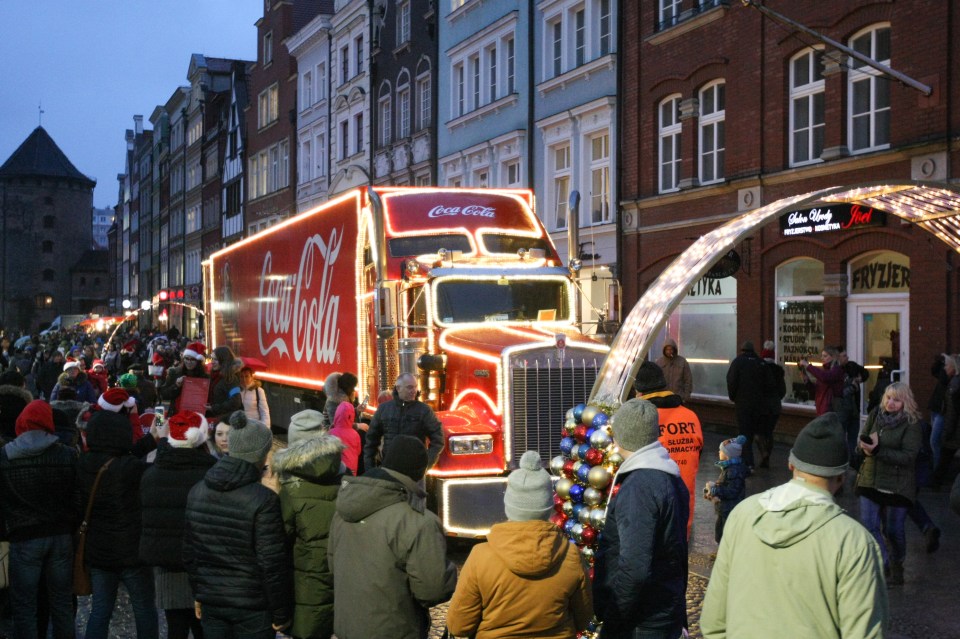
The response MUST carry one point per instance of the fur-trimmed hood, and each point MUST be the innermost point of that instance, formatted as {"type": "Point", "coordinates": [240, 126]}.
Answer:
{"type": "Point", "coordinates": [16, 391]}
{"type": "Point", "coordinates": [332, 390]}
{"type": "Point", "coordinates": [314, 458]}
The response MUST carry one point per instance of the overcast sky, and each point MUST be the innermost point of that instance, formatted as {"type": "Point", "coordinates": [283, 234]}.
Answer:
{"type": "Point", "coordinates": [94, 64]}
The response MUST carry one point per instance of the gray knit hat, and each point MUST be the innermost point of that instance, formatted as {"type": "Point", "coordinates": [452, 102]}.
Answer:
{"type": "Point", "coordinates": [306, 423]}
{"type": "Point", "coordinates": [249, 439]}
{"type": "Point", "coordinates": [529, 490]}
{"type": "Point", "coordinates": [635, 425]}
{"type": "Point", "coordinates": [821, 448]}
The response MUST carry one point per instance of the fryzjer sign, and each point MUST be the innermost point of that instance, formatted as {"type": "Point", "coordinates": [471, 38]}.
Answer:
{"type": "Point", "coordinates": [829, 218]}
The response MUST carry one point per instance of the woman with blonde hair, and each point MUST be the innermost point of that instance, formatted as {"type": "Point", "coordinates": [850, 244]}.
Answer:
{"type": "Point", "coordinates": [886, 483]}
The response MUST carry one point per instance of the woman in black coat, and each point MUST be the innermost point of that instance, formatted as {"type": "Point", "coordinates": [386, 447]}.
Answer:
{"type": "Point", "coordinates": [182, 461]}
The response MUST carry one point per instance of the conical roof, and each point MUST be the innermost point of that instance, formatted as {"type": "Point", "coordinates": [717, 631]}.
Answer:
{"type": "Point", "coordinates": [39, 155]}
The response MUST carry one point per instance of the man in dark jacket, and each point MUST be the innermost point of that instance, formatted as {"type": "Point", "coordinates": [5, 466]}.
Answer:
{"type": "Point", "coordinates": [14, 397]}
{"type": "Point", "coordinates": [403, 415]}
{"type": "Point", "coordinates": [745, 390]}
{"type": "Point", "coordinates": [387, 551]}
{"type": "Point", "coordinates": [234, 545]}
{"type": "Point", "coordinates": [38, 505]}
{"type": "Point", "coordinates": [640, 579]}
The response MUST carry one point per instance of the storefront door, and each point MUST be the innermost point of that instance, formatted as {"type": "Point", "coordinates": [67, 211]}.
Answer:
{"type": "Point", "coordinates": [877, 337]}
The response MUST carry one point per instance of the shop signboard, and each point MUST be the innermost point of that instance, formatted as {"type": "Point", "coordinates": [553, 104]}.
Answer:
{"type": "Point", "coordinates": [830, 218]}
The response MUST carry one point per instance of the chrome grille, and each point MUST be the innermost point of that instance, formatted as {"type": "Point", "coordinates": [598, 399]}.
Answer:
{"type": "Point", "coordinates": [542, 390]}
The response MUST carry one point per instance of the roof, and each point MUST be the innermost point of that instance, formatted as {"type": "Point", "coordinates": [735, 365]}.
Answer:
{"type": "Point", "coordinates": [39, 155]}
{"type": "Point", "coordinates": [306, 10]}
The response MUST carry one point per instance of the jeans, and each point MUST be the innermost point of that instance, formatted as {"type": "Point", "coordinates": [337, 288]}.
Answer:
{"type": "Point", "coordinates": [236, 623]}
{"type": "Point", "coordinates": [936, 434]}
{"type": "Point", "coordinates": [139, 584]}
{"type": "Point", "coordinates": [748, 421]}
{"type": "Point", "coordinates": [52, 556]}
{"type": "Point", "coordinates": [893, 525]}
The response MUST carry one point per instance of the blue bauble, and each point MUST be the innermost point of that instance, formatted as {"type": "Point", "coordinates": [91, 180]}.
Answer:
{"type": "Point", "coordinates": [567, 444]}
{"type": "Point", "coordinates": [578, 411]}
{"type": "Point", "coordinates": [568, 525]}
{"type": "Point", "coordinates": [583, 473]}
{"type": "Point", "coordinates": [575, 512]}
{"type": "Point", "coordinates": [576, 493]}
{"type": "Point", "coordinates": [590, 431]}
{"type": "Point", "coordinates": [600, 420]}
{"type": "Point", "coordinates": [582, 451]}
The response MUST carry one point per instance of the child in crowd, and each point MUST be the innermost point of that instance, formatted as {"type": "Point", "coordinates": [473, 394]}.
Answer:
{"type": "Point", "coordinates": [730, 488]}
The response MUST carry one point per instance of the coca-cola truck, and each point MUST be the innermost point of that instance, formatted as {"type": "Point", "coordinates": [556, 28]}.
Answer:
{"type": "Point", "coordinates": [461, 287]}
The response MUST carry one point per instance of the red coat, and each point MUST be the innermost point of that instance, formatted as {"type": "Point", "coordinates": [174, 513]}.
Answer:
{"type": "Point", "coordinates": [98, 381]}
{"type": "Point", "coordinates": [828, 386]}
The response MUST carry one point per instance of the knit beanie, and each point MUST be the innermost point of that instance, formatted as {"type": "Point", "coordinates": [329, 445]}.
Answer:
{"type": "Point", "coordinates": [107, 430]}
{"type": "Point", "coordinates": [306, 423]}
{"type": "Point", "coordinates": [635, 424]}
{"type": "Point", "coordinates": [249, 439]}
{"type": "Point", "coordinates": [116, 398]}
{"type": "Point", "coordinates": [529, 490]}
{"type": "Point", "coordinates": [747, 346]}
{"type": "Point", "coordinates": [344, 416]}
{"type": "Point", "coordinates": [733, 448]}
{"type": "Point", "coordinates": [127, 381]}
{"type": "Point", "coordinates": [649, 378]}
{"type": "Point", "coordinates": [37, 415]}
{"type": "Point", "coordinates": [821, 449]}
{"type": "Point", "coordinates": [407, 455]}
{"type": "Point", "coordinates": [187, 429]}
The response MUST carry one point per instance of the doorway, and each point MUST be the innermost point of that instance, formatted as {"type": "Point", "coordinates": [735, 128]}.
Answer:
{"type": "Point", "coordinates": [878, 338]}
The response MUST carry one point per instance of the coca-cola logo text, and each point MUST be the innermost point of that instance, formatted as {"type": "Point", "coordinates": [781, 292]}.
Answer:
{"type": "Point", "coordinates": [472, 210]}
{"type": "Point", "coordinates": [296, 312]}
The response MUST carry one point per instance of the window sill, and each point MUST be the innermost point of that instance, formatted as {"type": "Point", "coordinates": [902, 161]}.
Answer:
{"type": "Point", "coordinates": [583, 72]}
{"type": "Point", "coordinates": [403, 47]}
{"type": "Point", "coordinates": [488, 109]}
{"type": "Point", "coordinates": [463, 9]}
{"type": "Point", "coordinates": [689, 23]}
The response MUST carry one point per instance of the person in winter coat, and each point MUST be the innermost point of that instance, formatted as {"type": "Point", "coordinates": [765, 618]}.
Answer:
{"type": "Point", "coordinates": [113, 534]}
{"type": "Point", "coordinates": [344, 431]}
{"type": "Point", "coordinates": [388, 552]}
{"type": "Point", "coordinates": [225, 385]}
{"type": "Point", "coordinates": [774, 390]}
{"type": "Point", "coordinates": [676, 370]}
{"type": "Point", "coordinates": [310, 472]}
{"type": "Point", "coordinates": [73, 376]}
{"type": "Point", "coordinates": [49, 372]}
{"type": "Point", "coordinates": [827, 380]}
{"type": "Point", "coordinates": [944, 369]}
{"type": "Point", "coordinates": [405, 414]}
{"type": "Point", "coordinates": [253, 396]}
{"type": "Point", "coordinates": [14, 397]}
{"type": "Point", "coordinates": [640, 566]}
{"type": "Point", "coordinates": [39, 503]}
{"type": "Point", "coordinates": [234, 545]}
{"type": "Point", "coordinates": [887, 480]}
{"type": "Point", "coordinates": [792, 562]}
{"type": "Point", "coordinates": [745, 390]}
{"type": "Point", "coordinates": [182, 461]}
{"type": "Point", "coordinates": [98, 377]}
{"type": "Point", "coordinates": [191, 365]}
{"type": "Point", "coordinates": [527, 579]}
{"type": "Point", "coordinates": [334, 396]}
{"type": "Point", "coordinates": [731, 486]}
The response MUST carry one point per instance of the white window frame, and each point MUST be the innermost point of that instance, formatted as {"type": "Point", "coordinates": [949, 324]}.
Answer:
{"type": "Point", "coordinates": [267, 48]}
{"type": "Point", "coordinates": [605, 26]}
{"type": "Point", "coordinates": [268, 105]}
{"type": "Point", "coordinates": [460, 90]}
{"type": "Point", "coordinates": [403, 111]}
{"type": "Point", "coordinates": [511, 46]}
{"type": "Point", "coordinates": [877, 117]}
{"type": "Point", "coordinates": [669, 12]}
{"type": "Point", "coordinates": [711, 129]}
{"type": "Point", "coordinates": [344, 139]}
{"type": "Point", "coordinates": [490, 55]}
{"type": "Point", "coordinates": [403, 22]}
{"type": "Point", "coordinates": [579, 27]}
{"type": "Point", "coordinates": [424, 99]}
{"type": "Point", "coordinates": [669, 130]}
{"type": "Point", "coordinates": [358, 137]}
{"type": "Point", "coordinates": [600, 168]}
{"type": "Point", "coordinates": [555, 39]}
{"type": "Point", "coordinates": [385, 115]}
{"type": "Point", "coordinates": [321, 76]}
{"type": "Point", "coordinates": [475, 82]}
{"type": "Point", "coordinates": [306, 90]}
{"type": "Point", "coordinates": [803, 99]}
{"type": "Point", "coordinates": [306, 161]}
{"type": "Point", "coordinates": [476, 87]}
{"type": "Point", "coordinates": [560, 155]}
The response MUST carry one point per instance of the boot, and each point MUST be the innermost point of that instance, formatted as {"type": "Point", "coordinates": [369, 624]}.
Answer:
{"type": "Point", "coordinates": [896, 573]}
{"type": "Point", "coordinates": [932, 537]}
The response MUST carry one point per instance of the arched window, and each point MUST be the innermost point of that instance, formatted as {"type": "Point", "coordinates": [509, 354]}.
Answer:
{"type": "Point", "coordinates": [799, 321]}
{"type": "Point", "coordinates": [385, 114]}
{"type": "Point", "coordinates": [424, 108]}
{"type": "Point", "coordinates": [403, 104]}
{"type": "Point", "coordinates": [669, 127]}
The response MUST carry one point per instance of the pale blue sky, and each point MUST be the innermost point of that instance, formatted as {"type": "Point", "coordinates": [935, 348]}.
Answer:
{"type": "Point", "coordinates": [95, 64]}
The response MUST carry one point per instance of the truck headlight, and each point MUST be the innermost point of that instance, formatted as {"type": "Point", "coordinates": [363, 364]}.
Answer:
{"type": "Point", "coordinates": [470, 444]}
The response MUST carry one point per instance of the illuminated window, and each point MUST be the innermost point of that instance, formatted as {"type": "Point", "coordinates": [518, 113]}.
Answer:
{"type": "Point", "coordinates": [869, 92]}
{"type": "Point", "coordinates": [800, 318]}
{"type": "Point", "coordinates": [807, 122]}
{"type": "Point", "coordinates": [712, 146]}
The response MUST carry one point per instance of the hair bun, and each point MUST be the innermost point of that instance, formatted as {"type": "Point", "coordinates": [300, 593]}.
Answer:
{"type": "Point", "coordinates": [238, 419]}
{"type": "Point", "coordinates": [530, 460]}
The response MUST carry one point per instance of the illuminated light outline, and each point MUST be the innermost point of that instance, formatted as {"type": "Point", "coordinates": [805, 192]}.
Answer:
{"type": "Point", "coordinates": [668, 290]}
{"type": "Point", "coordinates": [455, 404]}
{"type": "Point", "coordinates": [496, 277]}
{"type": "Point", "coordinates": [707, 361]}
{"type": "Point", "coordinates": [298, 381]}
{"type": "Point", "coordinates": [445, 497]}
{"type": "Point", "coordinates": [465, 472]}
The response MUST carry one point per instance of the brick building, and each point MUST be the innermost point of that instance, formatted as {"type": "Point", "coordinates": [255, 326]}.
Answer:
{"type": "Point", "coordinates": [725, 109]}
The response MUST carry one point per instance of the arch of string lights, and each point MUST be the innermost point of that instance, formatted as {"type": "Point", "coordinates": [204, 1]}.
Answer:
{"type": "Point", "coordinates": [934, 207]}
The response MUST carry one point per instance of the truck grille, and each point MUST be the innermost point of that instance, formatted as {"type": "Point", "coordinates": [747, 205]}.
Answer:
{"type": "Point", "coordinates": [542, 390]}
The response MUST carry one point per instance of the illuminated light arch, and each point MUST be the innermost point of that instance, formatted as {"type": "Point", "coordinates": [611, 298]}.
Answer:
{"type": "Point", "coordinates": [934, 207]}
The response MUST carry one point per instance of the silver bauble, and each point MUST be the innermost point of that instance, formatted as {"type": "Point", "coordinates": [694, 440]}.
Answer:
{"type": "Point", "coordinates": [600, 439]}
{"type": "Point", "coordinates": [569, 426]}
{"type": "Point", "coordinates": [597, 517]}
{"type": "Point", "coordinates": [592, 496]}
{"type": "Point", "coordinates": [570, 416]}
{"type": "Point", "coordinates": [587, 552]}
{"type": "Point", "coordinates": [584, 515]}
{"type": "Point", "coordinates": [615, 458]}
{"type": "Point", "coordinates": [577, 532]}
{"type": "Point", "coordinates": [575, 452]}
{"type": "Point", "coordinates": [568, 508]}
{"type": "Point", "coordinates": [556, 465]}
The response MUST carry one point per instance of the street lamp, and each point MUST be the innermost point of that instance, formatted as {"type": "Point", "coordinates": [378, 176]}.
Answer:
{"type": "Point", "coordinates": [145, 305]}
{"type": "Point", "coordinates": [126, 305]}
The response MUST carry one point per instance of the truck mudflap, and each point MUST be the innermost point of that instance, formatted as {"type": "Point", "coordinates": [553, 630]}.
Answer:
{"type": "Point", "coordinates": [470, 506]}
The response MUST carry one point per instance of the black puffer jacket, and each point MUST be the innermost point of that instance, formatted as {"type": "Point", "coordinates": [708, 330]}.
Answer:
{"type": "Point", "coordinates": [39, 495]}
{"type": "Point", "coordinates": [397, 417]}
{"type": "Point", "coordinates": [234, 545]}
{"type": "Point", "coordinates": [163, 501]}
{"type": "Point", "coordinates": [113, 537]}
{"type": "Point", "coordinates": [13, 399]}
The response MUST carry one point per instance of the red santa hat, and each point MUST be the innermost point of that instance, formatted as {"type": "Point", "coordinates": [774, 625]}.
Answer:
{"type": "Point", "coordinates": [70, 363]}
{"type": "Point", "coordinates": [130, 346]}
{"type": "Point", "coordinates": [115, 399]}
{"type": "Point", "coordinates": [98, 362]}
{"type": "Point", "coordinates": [187, 429]}
{"type": "Point", "coordinates": [157, 359]}
{"type": "Point", "coordinates": [195, 350]}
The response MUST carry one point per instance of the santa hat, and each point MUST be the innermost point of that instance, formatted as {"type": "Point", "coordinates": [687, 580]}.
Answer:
{"type": "Point", "coordinates": [115, 399]}
{"type": "Point", "coordinates": [187, 430]}
{"type": "Point", "coordinates": [130, 346]}
{"type": "Point", "coordinates": [195, 350]}
{"type": "Point", "coordinates": [99, 362]}
{"type": "Point", "coordinates": [70, 363]}
{"type": "Point", "coordinates": [157, 359]}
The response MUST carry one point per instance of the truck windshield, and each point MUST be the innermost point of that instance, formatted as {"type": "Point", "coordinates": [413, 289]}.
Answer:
{"type": "Point", "coordinates": [503, 300]}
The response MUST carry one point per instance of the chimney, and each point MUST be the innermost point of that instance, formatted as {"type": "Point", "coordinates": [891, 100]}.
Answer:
{"type": "Point", "coordinates": [138, 124]}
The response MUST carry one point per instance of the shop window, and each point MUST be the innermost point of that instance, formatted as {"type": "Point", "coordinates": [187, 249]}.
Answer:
{"type": "Point", "coordinates": [704, 326]}
{"type": "Point", "coordinates": [799, 322]}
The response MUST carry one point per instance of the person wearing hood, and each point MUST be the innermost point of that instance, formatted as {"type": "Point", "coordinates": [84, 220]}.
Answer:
{"type": "Point", "coordinates": [405, 414]}
{"type": "Point", "coordinates": [39, 511]}
{"type": "Point", "coordinates": [792, 561]}
{"type": "Point", "coordinates": [640, 566]}
{"type": "Point", "coordinates": [676, 370]}
{"type": "Point", "coordinates": [113, 535]}
{"type": "Point", "coordinates": [14, 397]}
{"type": "Point", "coordinates": [310, 472]}
{"type": "Point", "coordinates": [388, 552]}
{"type": "Point", "coordinates": [73, 375]}
{"type": "Point", "coordinates": [526, 579]}
{"type": "Point", "coordinates": [344, 431]}
{"type": "Point", "coordinates": [182, 461]}
{"type": "Point", "coordinates": [234, 545]}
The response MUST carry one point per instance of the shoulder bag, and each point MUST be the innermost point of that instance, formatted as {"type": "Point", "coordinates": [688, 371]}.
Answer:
{"type": "Point", "coordinates": [81, 574]}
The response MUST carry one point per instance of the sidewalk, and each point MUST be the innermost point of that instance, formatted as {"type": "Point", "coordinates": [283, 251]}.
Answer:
{"type": "Point", "coordinates": [922, 607]}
